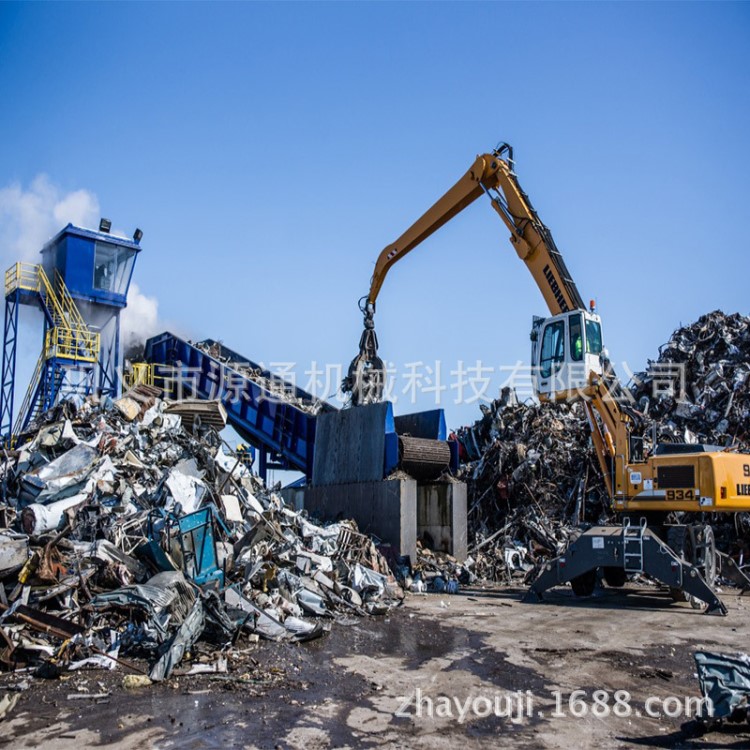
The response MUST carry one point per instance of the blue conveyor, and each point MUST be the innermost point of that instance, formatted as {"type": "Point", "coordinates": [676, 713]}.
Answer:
{"type": "Point", "coordinates": [272, 415]}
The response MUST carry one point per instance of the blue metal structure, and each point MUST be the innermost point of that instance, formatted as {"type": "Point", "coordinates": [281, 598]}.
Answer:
{"type": "Point", "coordinates": [275, 417]}
{"type": "Point", "coordinates": [199, 547]}
{"type": "Point", "coordinates": [97, 269]}
{"type": "Point", "coordinates": [8, 377]}
{"type": "Point", "coordinates": [80, 286]}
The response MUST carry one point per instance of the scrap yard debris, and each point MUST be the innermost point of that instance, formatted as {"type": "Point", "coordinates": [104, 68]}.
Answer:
{"type": "Point", "coordinates": [270, 382]}
{"type": "Point", "coordinates": [698, 390]}
{"type": "Point", "coordinates": [531, 478]}
{"type": "Point", "coordinates": [531, 471]}
{"type": "Point", "coordinates": [725, 682]}
{"type": "Point", "coordinates": [132, 537]}
{"type": "Point", "coordinates": [129, 529]}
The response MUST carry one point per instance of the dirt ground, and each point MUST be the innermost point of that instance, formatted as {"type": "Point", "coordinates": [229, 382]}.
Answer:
{"type": "Point", "coordinates": [481, 652]}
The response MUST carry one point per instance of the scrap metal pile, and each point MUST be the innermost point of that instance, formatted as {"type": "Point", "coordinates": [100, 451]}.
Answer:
{"type": "Point", "coordinates": [124, 535]}
{"type": "Point", "coordinates": [274, 384]}
{"type": "Point", "coordinates": [531, 471]}
{"type": "Point", "coordinates": [531, 477]}
{"type": "Point", "coordinates": [698, 390]}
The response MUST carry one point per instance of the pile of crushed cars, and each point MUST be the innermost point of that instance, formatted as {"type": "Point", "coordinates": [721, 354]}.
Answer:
{"type": "Point", "coordinates": [127, 536]}
{"type": "Point", "coordinates": [531, 471]}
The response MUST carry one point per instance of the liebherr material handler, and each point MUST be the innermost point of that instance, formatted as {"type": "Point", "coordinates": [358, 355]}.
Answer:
{"type": "Point", "coordinates": [570, 364]}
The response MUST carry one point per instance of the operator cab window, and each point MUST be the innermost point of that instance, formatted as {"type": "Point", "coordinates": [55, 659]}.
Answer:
{"type": "Point", "coordinates": [553, 348]}
{"type": "Point", "coordinates": [576, 338]}
{"type": "Point", "coordinates": [593, 337]}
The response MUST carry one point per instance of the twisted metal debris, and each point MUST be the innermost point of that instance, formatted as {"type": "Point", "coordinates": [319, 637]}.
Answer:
{"type": "Point", "coordinates": [531, 477]}
{"type": "Point", "coordinates": [124, 535]}
{"type": "Point", "coordinates": [698, 389]}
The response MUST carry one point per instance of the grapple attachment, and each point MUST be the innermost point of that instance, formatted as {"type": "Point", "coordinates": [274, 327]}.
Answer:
{"type": "Point", "coordinates": [365, 379]}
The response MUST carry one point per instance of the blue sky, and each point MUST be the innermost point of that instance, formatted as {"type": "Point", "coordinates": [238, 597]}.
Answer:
{"type": "Point", "coordinates": [270, 151]}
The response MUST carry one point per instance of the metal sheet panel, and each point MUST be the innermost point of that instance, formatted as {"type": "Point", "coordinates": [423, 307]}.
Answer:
{"type": "Point", "coordinates": [350, 445]}
{"type": "Point", "coordinates": [429, 425]}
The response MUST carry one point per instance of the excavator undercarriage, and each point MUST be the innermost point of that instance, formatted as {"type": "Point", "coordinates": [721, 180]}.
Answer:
{"type": "Point", "coordinates": [687, 562]}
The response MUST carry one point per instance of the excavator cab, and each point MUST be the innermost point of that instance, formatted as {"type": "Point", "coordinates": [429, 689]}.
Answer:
{"type": "Point", "coordinates": [565, 348]}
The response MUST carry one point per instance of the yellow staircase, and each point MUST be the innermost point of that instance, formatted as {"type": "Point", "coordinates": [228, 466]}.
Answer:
{"type": "Point", "coordinates": [30, 391]}
{"type": "Point", "coordinates": [69, 337]}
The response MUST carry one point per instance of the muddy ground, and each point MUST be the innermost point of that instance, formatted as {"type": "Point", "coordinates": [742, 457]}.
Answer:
{"type": "Point", "coordinates": [484, 645]}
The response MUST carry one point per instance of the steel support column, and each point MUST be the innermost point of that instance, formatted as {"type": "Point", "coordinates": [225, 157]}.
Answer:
{"type": "Point", "coordinates": [10, 338]}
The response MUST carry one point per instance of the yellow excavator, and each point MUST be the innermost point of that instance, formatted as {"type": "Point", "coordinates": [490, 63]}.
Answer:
{"type": "Point", "coordinates": [570, 364]}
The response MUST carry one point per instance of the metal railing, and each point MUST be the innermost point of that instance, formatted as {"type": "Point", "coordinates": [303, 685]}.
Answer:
{"type": "Point", "coordinates": [22, 276]}
{"type": "Point", "coordinates": [68, 305]}
{"type": "Point", "coordinates": [67, 343]}
{"type": "Point", "coordinates": [142, 373]}
{"type": "Point", "coordinates": [70, 337]}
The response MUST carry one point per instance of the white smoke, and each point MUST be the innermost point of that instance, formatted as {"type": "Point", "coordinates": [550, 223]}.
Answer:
{"type": "Point", "coordinates": [29, 217]}
{"type": "Point", "coordinates": [140, 319]}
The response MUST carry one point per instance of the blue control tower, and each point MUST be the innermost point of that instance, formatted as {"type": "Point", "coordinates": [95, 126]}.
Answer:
{"type": "Point", "coordinates": [81, 286]}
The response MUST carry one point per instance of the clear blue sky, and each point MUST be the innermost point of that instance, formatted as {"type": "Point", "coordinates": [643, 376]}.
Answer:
{"type": "Point", "coordinates": [270, 151]}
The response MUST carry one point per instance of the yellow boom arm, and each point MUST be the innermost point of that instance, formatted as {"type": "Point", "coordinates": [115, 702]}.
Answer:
{"type": "Point", "coordinates": [684, 480]}
{"type": "Point", "coordinates": [492, 174]}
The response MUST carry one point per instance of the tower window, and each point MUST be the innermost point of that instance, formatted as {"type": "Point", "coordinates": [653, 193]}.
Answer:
{"type": "Point", "coordinates": [112, 267]}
